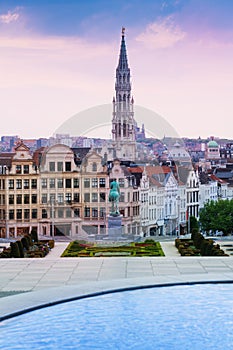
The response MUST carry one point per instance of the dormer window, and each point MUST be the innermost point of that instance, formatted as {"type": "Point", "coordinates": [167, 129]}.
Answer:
{"type": "Point", "coordinates": [18, 169]}
{"type": "Point", "coordinates": [67, 166]}
{"type": "Point", "coordinates": [51, 166]}
{"type": "Point", "coordinates": [26, 169]}
{"type": "Point", "coordinates": [94, 167]}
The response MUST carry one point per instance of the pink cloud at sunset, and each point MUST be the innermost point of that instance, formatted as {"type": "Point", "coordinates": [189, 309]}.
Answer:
{"type": "Point", "coordinates": [182, 72]}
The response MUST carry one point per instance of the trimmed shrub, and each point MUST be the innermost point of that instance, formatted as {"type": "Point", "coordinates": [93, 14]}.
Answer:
{"type": "Point", "coordinates": [51, 243]}
{"type": "Point", "coordinates": [25, 243]}
{"type": "Point", "coordinates": [6, 253]}
{"type": "Point", "coordinates": [14, 250]}
{"type": "Point", "coordinates": [34, 235]}
{"type": "Point", "coordinates": [29, 239]}
{"type": "Point", "coordinates": [20, 246]}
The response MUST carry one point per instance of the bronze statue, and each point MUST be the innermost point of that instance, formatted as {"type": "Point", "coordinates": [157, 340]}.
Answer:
{"type": "Point", "coordinates": [114, 196]}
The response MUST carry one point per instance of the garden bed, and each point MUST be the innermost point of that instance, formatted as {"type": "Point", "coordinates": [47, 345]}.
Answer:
{"type": "Point", "coordinates": [147, 248]}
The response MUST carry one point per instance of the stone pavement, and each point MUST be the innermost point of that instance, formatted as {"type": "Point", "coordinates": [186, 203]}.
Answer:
{"type": "Point", "coordinates": [57, 277]}
{"type": "Point", "coordinates": [52, 271]}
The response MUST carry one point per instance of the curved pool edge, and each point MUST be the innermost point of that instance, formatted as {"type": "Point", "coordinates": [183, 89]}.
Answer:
{"type": "Point", "coordinates": [32, 300]}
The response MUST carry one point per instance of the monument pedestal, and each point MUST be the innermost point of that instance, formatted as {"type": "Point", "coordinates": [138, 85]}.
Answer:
{"type": "Point", "coordinates": [114, 226]}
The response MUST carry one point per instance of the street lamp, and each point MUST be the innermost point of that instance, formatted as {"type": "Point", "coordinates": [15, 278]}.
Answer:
{"type": "Point", "coordinates": [178, 218]}
{"type": "Point", "coordinates": [52, 200]}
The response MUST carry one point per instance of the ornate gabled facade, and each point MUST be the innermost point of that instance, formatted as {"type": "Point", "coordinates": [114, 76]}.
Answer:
{"type": "Point", "coordinates": [19, 195]}
{"type": "Point", "coordinates": [123, 123]}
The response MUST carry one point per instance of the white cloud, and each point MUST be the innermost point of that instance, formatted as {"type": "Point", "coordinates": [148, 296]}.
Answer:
{"type": "Point", "coordinates": [162, 34]}
{"type": "Point", "coordinates": [9, 17]}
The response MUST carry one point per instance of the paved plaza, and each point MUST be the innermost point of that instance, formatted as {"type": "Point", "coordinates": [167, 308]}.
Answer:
{"type": "Point", "coordinates": [54, 278]}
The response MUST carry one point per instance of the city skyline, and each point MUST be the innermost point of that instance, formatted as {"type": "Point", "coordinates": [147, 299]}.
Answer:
{"type": "Point", "coordinates": [59, 58]}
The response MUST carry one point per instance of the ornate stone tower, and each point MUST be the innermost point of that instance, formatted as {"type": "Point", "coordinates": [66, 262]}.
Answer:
{"type": "Point", "coordinates": [123, 123]}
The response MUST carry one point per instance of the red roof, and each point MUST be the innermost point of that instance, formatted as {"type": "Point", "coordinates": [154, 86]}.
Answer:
{"type": "Point", "coordinates": [151, 170]}
{"type": "Point", "coordinates": [136, 169]}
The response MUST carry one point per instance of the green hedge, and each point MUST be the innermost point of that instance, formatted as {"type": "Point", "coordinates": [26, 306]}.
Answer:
{"type": "Point", "coordinates": [198, 245]}
{"type": "Point", "coordinates": [26, 248]}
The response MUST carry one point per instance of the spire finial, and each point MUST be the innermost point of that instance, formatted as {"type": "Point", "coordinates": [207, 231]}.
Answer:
{"type": "Point", "coordinates": [123, 31]}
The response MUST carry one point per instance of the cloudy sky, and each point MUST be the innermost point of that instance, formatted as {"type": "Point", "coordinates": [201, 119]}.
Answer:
{"type": "Point", "coordinates": [58, 58]}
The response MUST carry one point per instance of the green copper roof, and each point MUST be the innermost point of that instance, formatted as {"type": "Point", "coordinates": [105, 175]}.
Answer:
{"type": "Point", "coordinates": [212, 144]}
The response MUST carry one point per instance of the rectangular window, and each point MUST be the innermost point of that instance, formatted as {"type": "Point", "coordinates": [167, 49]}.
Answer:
{"type": "Point", "coordinates": [77, 212]}
{"type": "Point", "coordinates": [76, 197]}
{"type": "Point", "coordinates": [34, 198]}
{"type": "Point", "coordinates": [19, 184]}
{"type": "Point", "coordinates": [44, 214]}
{"type": "Point", "coordinates": [59, 166]}
{"type": "Point", "coordinates": [26, 169]}
{"type": "Point", "coordinates": [52, 183]}
{"type": "Point", "coordinates": [52, 198]}
{"type": "Point", "coordinates": [11, 214]}
{"type": "Point", "coordinates": [68, 183]}
{"type": "Point", "coordinates": [34, 184]}
{"type": "Point", "coordinates": [94, 182]}
{"type": "Point", "coordinates": [44, 198]}
{"type": "Point", "coordinates": [68, 166]}
{"type": "Point", "coordinates": [11, 199]}
{"type": "Point", "coordinates": [68, 213]}
{"type": "Point", "coordinates": [86, 212]}
{"type": "Point", "coordinates": [95, 212]}
{"type": "Point", "coordinates": [51, 166]}
{"type": "Point", "coordinates": [122, 197]}
{"type": "Point", "coordinates": [60, 198]}
{"type": "Point", "coordinates": [86, 183]}
{"type": "Point", "coordinates": [94, 197]}
{"type": "Point", "coordinates": [26, 184]}
{"type": "Point", "coordinates": [26, 199]}
{"type": "Point", "coordinates": [76, 183]}
{"type": "Point", "coordinates": [26, 214]}
{"type": "Point", "coordinates": [87, 197]}
{"type": "Point", "coordinates": [44, 183]}
{"type": "Point", "coordinates": [68, 198]}
{"type": "Point", "coordinates": [59, 183]}
{"type": "Point", "coordinates": [18, 169]}
{"type": "Point", "coordinates": [60, 213]}
{"type": "Point", "coordinates": [102, 182]}
{"type": "Point", "coordinates": [34, 213]}
{"type": "Point", "coordinates": [102, 212]}
{"type": "Point", "coordinates": [121, 182]}
{"type": "Point", "coordinates": [19, 214]}
{"type": "Point", "coordinates": [11, 184]}
{"type": "Point", "coordinates": [19, 199]}
{"type": "Point", "coordinates": [102, 196]}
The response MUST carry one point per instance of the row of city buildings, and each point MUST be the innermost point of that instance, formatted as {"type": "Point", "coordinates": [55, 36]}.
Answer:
{"type": "Point", "coordinates": [62, 190]}
{"type": "Point", "coordinates": [55, 191]}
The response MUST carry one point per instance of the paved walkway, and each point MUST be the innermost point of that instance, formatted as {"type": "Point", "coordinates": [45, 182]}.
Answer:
{"type": "Point", "coordinates": [54, 277]}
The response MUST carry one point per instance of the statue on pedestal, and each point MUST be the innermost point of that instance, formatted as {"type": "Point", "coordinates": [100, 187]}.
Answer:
{"type": "Point", "coordinates": [114, 196]}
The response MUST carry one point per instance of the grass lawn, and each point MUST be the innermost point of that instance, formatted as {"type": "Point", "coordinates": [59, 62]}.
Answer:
{"type": "Point", "coordinates": [147, 248]}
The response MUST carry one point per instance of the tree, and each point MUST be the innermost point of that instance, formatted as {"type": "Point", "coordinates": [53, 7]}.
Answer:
{"type": "Point", "coordinates": [217, 216]}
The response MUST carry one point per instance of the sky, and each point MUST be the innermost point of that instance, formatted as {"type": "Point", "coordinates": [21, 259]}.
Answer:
{"type": "Point", "coordinates": [58, 58]}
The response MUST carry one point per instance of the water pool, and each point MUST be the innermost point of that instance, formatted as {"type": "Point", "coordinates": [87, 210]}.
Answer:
{"type": "Point", "coordinates": [178, 317]}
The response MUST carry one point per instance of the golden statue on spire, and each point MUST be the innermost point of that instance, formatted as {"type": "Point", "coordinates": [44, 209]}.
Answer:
{"type": "Point", "coordinates": [123, 31]}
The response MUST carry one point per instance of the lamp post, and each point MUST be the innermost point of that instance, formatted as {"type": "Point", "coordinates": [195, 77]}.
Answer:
{"type": "Point", "coordinates": [178, 218]}
{"type": "Point", "coordinates": [52, 215]}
